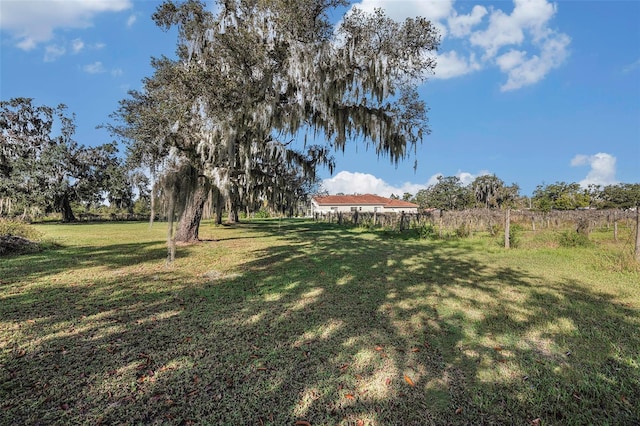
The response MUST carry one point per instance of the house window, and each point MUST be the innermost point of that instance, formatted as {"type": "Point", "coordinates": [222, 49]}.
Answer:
{"type": "Point", "coordinates": [354, 209]}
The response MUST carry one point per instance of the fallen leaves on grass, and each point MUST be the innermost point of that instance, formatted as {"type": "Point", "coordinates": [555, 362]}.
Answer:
{"type": "Point", "coordinates": [409, 381]}
{"type": "Point", "coordinates": [349, 396]}
{"type": "Point", "coordinates": [302, 423]}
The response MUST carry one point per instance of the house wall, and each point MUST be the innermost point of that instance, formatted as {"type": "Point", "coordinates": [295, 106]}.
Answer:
{"type": "Point", "coordinates": [400, 210]}
{"type": "Point", "coordinates": [385, 206]}
{"type": "Point", "coordinates": [315, 208]}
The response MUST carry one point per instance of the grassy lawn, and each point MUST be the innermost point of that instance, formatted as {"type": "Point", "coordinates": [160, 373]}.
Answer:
{"type": "Point", "coordinates": [286, 322]}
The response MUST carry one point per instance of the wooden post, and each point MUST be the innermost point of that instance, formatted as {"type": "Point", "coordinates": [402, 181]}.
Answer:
{"type": "Point", "coordinates": [615, 225]}
{"type": "Point", "coordinates": [637, 233]}
{"type": "Point", "coordinates": [507, 226]}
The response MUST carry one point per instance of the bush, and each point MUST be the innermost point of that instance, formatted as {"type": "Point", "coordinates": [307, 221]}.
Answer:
{"type": "Point", "coordinates": [428, 231]}
{"type": "Point", "coordinates": [515, 230]}
{"type": "Point", "coordinates": [463, 231]}
{"type": "Point", "coordinates": [17, 237]}
{"type": "Point", "coordinates": [16, 228]}
{"type": "Point", "coordinates": [262, 214]}
{"type": "Point", "coordinates": [573, 239]}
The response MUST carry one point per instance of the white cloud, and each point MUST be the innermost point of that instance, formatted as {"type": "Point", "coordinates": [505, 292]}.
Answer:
{"type": "Point", "coordinates": [450, 65]}
{"type": "Point", "coordinates": [532, 47]}
{"type": "Point", "coordinates": [53, 52]}
{"type": "Point", "coordinates": [524, 72]}
{"type": "Point", "coordinates": [580, 160]}
{"type": "Point", "coordinates": [132, 20]}
{"type": "Point", "coordinates": [465, 177]}
{"type": "Point", "coordinates": [361, 183]}
{"type": "Point", "coordinates": [434, 10]}
{"type": "Point", "coordinates": [460, 25]}
{"type": "Point", "coordinates": [116, 72]}
{"type": "Point", "coordinates": [504, 30]}
{"type": "Point", "coordinates": [94, 68]}
{"type": "Point", "coordinates": [364, 183]}
{"type": "Point", "coordinates": [511, 59]}
{"type": "Point", "coordinates": [77, 45]}
{"type": "Point", "coordinates": [34, 21]}
{"type": "Point", "coordinates": [603, 168]}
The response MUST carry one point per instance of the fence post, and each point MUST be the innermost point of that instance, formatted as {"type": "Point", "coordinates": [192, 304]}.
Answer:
{"type": "Point", "coordinates": [507, 226]}
{"type": "Point", "coordinates": [637, 250]}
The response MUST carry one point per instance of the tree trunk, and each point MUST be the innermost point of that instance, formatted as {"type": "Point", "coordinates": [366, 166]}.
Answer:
{"type": "Point", "coordinates": [65, 209]}
{"type": "Point", "coordinates": [232, 207]}
{"type": "Point", "coordinates": [192, 215]}
{"type": "Point", "coordinates": [219, 200]}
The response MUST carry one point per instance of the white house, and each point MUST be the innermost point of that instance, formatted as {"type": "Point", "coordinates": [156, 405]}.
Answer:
{"type": "Point", "coordinates": [360, 203]}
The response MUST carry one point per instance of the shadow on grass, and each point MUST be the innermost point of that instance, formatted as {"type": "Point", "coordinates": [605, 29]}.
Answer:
{"type": "Point", "coordinates": [324, 325]}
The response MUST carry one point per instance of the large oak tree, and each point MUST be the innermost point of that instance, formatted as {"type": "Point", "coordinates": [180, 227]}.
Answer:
{"type": "Point", "coordinates": [256, 74]}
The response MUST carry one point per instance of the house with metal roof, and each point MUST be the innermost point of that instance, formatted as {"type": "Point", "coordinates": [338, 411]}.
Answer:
{"type": "Point", "coordinates": [360, 203]}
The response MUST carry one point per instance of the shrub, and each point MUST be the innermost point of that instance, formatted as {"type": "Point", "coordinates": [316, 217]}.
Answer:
{"type": "Point", "coordinates": [17, 237]}
{"type": "Point", "coordinates": [573, 239]}
{"type": "Point", "coordinates": [428, 231]}
{"type": "Point", "coordinates": [16, 228]}
{"type": "Point", "coordinates": [262, 214]}
{"type": "Point", "coordinates": [515, 231]}
{"type": "Point", "coordinates": [463, 231]}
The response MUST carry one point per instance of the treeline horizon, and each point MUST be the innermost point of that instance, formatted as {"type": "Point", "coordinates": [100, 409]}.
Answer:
{"type": "Point", "coordinates": [489, 191]}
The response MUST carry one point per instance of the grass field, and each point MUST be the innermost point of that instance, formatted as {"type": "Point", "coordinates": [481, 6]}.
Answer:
{"type": "Point", "coordinates": [286, 322]}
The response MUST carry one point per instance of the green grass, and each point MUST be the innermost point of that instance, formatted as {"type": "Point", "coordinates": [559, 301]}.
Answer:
{"type": "Point", "coordinates": [274, 322]}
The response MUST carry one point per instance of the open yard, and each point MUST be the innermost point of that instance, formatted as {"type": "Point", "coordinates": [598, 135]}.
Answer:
{"type": "Point", "coordinates": [286, 322]}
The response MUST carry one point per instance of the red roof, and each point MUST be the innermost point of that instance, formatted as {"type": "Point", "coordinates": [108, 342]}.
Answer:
{"type": "Point", "coordinates": [365, 199]}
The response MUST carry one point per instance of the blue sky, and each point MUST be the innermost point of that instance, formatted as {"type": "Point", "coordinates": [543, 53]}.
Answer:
{"type": "Point", "coordinates": [531, 90]}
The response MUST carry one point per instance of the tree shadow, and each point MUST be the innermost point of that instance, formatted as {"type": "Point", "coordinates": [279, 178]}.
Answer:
{"type": "Point", "coordinates": [329, 326]}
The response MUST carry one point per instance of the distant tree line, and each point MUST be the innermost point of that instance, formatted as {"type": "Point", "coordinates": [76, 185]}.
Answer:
{"type": "Point", "coordinates": [490, 192]}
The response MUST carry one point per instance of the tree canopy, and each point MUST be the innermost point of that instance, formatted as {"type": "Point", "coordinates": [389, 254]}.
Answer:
{"type": "Point", "coordinates": [42, 166]}
{"type": "Point", "coordinates": [254, 76]}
